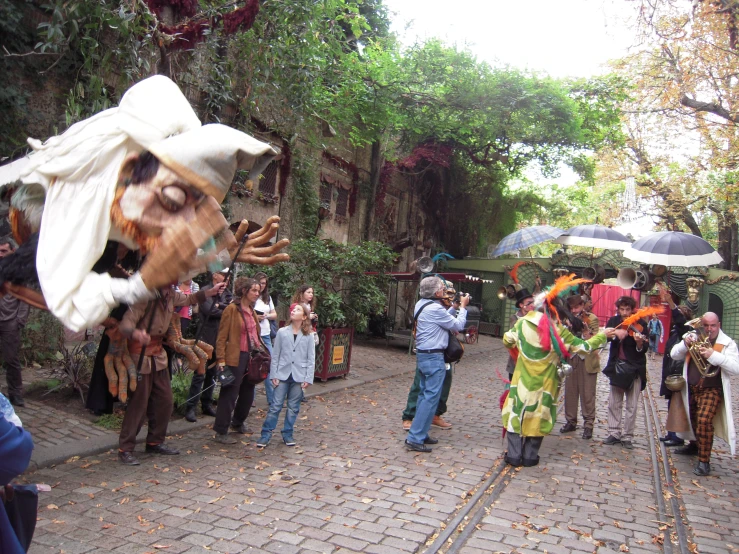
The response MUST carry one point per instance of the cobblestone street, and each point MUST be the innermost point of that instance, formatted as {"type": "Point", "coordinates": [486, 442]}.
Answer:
{"type": "Point", "coordinates": [350, 485]}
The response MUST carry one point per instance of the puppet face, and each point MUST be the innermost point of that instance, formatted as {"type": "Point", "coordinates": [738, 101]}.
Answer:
{"type": "Point", "coordinates": [161, 201]}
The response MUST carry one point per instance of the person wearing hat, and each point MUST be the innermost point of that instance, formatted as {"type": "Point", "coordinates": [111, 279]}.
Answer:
{"type": "Point", "coordinates": [580, 386]}
{"type": "Point", "coordinates": [211, 311]}
{"type": "Point", "coordinates": [524, 303]}
{"type": "Point", "coordinates": [146, 174]}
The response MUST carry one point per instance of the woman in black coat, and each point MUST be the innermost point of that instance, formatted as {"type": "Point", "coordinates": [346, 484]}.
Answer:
{"type": "Point", "coordinates": [680, 315]}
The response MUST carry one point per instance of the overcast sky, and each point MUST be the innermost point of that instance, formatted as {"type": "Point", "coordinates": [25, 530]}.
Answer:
{"type": "Point", "coordinates": [560, 37]}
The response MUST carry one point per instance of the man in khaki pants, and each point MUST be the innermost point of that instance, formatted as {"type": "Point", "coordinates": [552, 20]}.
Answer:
{"type": "Point", "coordinates": [581, 384]}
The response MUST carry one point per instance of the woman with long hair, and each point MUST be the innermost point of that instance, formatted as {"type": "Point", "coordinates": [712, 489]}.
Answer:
{"type": "Point", "coordinates": [292, 369]}
{"type": "Point", "coordinates": [305, 295]}
{"type": "Point", "coordinates": [238, 335]}
{"type": "Point", "coordinates": [265, 310]}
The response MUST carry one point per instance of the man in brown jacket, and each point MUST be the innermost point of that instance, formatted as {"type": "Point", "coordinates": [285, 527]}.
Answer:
{"type": "Point", "coordinates": [153, 395]}
{"type": "Point", "coordinates": [581, 384]}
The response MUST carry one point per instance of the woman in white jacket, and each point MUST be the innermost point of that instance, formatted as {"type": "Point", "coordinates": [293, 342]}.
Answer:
{"type": "Point", "coordinates": [293, 365]}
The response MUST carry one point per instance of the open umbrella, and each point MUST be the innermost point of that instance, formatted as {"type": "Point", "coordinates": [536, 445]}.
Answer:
{"type": "Point", "coordinates": [594, 236]}
{"type": "Point", "coordinates": [525, 238]}
{"type": "Point", "coordinates": [672, 248]}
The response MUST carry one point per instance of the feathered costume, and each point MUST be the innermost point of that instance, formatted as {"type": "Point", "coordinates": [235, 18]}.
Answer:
{"type": "Point", "coordinates": [531, 407]}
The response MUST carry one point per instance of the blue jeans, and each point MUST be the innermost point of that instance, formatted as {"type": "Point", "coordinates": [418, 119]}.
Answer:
{"type": "Point", "coordinates": [432, 372]}
{"type": "Point", "coordinates": [286, 389]}
{"type": "Point", "coordinates": [268, 388]}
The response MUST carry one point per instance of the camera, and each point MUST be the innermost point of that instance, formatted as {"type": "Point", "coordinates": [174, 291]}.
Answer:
{"type": "Point", "coordinates": [459, 295]}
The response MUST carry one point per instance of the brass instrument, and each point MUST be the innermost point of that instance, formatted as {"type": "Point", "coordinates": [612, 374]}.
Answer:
{"type": "Point", "coordinates": [700, 341]}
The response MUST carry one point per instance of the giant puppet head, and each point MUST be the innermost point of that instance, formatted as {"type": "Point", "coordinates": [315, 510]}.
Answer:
{"type": "Point", "coordinates": [146, 174]}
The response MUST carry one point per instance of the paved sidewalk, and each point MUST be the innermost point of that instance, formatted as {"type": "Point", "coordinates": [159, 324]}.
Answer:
{"type": "Point", "coordinates": [58, 437]}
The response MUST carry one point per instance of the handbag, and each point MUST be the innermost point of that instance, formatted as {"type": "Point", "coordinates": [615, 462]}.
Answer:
{"type": "Point", "coordinates": [622, 374]}
{"type": "Point", "coordinates": [257, 369]}
{"type": "Point", "coordinates": [454, 349]}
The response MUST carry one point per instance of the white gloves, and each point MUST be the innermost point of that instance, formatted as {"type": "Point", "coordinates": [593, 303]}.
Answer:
{"type": "Point", "coordinates": [130, 291]}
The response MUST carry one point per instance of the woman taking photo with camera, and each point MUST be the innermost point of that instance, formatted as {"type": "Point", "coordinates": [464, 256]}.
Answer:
{"type": "Point", "coordinates": [238, 335]}
{"type": "Point", "coordinates": [291, 371]}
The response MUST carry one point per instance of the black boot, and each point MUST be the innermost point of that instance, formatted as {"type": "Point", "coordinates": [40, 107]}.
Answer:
{"type": "Point", "coordinates": [530, 463]}
{"type": "Point", "coordinates": [190, 414]}
{"type": "Point", "coordinates": [702, 469]}
{"type": "Point", "coordinates": [515, 462]}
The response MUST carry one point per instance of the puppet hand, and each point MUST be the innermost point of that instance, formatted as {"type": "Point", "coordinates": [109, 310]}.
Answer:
{"type": "Point", "coordinates": [254, 252]}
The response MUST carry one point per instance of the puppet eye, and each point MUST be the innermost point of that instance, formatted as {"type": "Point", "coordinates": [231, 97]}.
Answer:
{"type": "Point", "coordinates": [173, 197]}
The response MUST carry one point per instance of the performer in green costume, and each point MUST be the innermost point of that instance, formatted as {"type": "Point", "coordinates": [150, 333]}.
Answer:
{"type": "Point", "coordinates": [543, 343]}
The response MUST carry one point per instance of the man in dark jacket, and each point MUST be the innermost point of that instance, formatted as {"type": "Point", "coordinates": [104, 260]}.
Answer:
{"type": "Point", "coordinates": [628, 352]}
{"type": "Point", "coordinates": [210, 314]}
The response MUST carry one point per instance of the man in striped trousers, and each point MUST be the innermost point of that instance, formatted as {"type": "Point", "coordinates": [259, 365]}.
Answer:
{"type": "Point", "coordinates": [708, 398]}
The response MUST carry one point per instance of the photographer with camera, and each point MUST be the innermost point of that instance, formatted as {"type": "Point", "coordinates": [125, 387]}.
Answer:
{"type": "Point", "coordinates": [434, 322]}
{"type": "Point", "coordinates": [410, 406]}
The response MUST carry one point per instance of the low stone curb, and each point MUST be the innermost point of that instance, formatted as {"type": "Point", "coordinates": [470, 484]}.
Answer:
{"type": "Point", "coordinates": [49, 456]}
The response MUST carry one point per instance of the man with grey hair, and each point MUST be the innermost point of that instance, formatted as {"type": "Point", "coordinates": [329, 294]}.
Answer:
{"type": "Point", "coordinates": [433, 324]}
{"type": "Point", "coordinates": [13, 317]}
{"type": "Point", "coordinates": [707, 397]}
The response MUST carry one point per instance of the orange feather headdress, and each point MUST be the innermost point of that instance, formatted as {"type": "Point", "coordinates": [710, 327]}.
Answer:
{"type": "Point", "coordinates": [561, 286]}
{"type": "Point", "coordinates": [514, 272]}
{"type": "Point", "coordinates": [644, 313]}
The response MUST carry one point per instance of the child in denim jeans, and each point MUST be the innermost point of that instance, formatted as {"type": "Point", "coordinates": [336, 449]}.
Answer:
{"type": "Point", "coordinates": [293, 363]}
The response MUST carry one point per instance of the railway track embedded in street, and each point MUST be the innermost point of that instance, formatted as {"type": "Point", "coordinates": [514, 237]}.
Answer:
{"type": "Point", "coordinates": [670, 509]}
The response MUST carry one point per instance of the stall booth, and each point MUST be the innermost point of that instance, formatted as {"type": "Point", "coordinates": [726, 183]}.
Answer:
{"type": "Point", "coordinates": [403, 295]}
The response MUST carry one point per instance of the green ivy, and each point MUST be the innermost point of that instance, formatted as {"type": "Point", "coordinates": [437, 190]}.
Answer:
{"type": "Point", "coordinates": [305, 203]}
{"type": "Point", "coordinates": [349, 281]}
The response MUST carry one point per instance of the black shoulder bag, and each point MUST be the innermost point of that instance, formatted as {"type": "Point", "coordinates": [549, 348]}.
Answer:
{"type": "Point", "coordinates": [258, 367]}
{"type": "Point", "coordinates": [454, 349]}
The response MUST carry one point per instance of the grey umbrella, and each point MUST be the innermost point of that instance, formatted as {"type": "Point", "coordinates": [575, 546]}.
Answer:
{"type": "Point", "coordinates": [672, 248]}
{"type": "Point", "coordinates": [594, 236]}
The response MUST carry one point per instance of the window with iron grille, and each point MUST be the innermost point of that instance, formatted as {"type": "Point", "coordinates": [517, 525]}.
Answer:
{"type": "Point", "coordinates": [342, 202]}
{"type": "Point", "coordinates": [268, 180]}
{"type": "Point", "coordinates": [325, 192]}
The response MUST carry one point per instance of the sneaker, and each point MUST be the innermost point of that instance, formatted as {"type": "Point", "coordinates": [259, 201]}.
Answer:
{"type": "Point", "coordinates": [610, 439]}
{"type": "Point", "coordinates": [224, 438]}
{"type": "Point", "coordinates": [243, 429]}
{"type": "Point", "coordinates": [440, 423]}
{"type": "Point", "coordinates": [407, 424]}
{"type": "Point", "coordinates": [289, 441]}
{"type": "Point", "coordinates": [262, 442]}
{"type": "Point", "coordinates": [628, 445]}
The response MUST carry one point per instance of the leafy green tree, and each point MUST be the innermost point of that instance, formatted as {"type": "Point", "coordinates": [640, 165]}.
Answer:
{"type": "Point", "coordinates": [349, 281]}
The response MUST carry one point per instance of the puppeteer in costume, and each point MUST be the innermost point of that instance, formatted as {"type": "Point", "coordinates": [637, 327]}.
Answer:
{"type": "Point", "coordinates": [145, 174]}
{"type": "Point", "coordinates": [543, 343]}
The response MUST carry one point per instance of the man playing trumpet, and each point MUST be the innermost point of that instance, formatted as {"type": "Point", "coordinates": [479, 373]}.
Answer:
{"type": "Point", "coordinates": [708, 394]}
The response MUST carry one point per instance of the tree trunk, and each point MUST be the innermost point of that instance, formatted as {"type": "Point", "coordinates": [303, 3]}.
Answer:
{"type": "Point", "coordinates": [164, 67]}
{"type": "Point", "coordinates": [376, 161]}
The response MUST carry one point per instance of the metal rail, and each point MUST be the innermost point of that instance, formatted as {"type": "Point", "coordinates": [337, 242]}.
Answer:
{"type": "Point", "coordinates": [460, 528]}
{"type": "Point", "coordinates": [664, 481]}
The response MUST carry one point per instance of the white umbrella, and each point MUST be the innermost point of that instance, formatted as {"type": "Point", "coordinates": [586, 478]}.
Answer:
{"type": "Point", "coordinates": [672, 248]}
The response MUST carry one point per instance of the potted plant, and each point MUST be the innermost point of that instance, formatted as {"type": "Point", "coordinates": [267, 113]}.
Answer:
{"type": "Point", "coordinates": [349, 282]}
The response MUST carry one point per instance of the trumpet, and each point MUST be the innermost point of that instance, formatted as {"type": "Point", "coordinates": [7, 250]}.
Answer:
{"type": "Point", "coordinates": [700, 341]}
